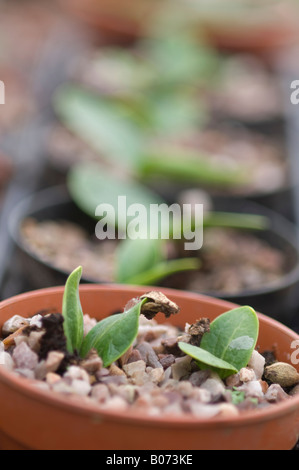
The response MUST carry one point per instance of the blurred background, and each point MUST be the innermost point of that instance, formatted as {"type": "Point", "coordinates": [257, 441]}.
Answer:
{"type": "Point", "coordinates": [181, 101]}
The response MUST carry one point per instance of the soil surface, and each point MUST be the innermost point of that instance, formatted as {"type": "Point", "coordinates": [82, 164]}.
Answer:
{"type": "Point", "coordinates": [153, 376]}
{"type": "Point", "coordinates": [232, 261]}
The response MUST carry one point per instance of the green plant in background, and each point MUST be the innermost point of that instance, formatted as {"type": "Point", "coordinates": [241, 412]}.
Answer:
{"type": "Point", "coordinates": [146, 262]}
{"type": "Point", "coordinates": [125, 134]}
{"type": "Point", "coordinates": [91, 184]}
{"type": "Point", "coordinates": [188, 166]}
{"type": "Point", "coordinates": [226, 348]}
{"type": "Point", "coordinates": [143, 261]}
{"type": "Point", "coordinates": [110, 127]}
{"type": "Point", "coordinates": [160, 97]}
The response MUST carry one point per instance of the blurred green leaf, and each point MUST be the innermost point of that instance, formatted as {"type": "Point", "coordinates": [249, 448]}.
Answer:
{"type": "Point", "coordinates": [180, 58]}
{"type": "Point", "coordinates": [188, 167]}
{"type": "Point", "coordinates": [90, 185]}
{"type": "Point", "coordinates": [162, 270]}
{"type": "Point", "coordinates": [135, 257]}
{"type": "Point", "coordinates": [175, 111]}
{"type": "Point", "coordinates": [109, 127]}
{"type": "Point", "coordinates": [143, 262]}
{"type": "Point", "coordinates": [237, 220]}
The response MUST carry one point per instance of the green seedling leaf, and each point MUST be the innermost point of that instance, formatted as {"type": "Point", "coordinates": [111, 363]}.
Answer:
{"type": "Point", "coordinates": [108, 126]}
{"type": "Point", "coordinates": [72, 312]}
{"type": "Point", "coordinates": [113, 336]}
{"type": "Point", "coordinates": [164, 269]}
{"type": "Point", "coordinates": [173, 112]}
{"type": "Point", "coordinates": [236, 220]}
{"type": "Point", "coordinates": [231, 220]}
{"type": "Point", "coordinates": [206, 360]}
{"type": "Point", "coordinates": [142, 262]}
{"type": "Point", "coordinates": [232, 339]}
{"type": "Point", "coordinates": [134, 257]}
{"type": "Point", "coordinates": [90, 185]}
{"type": "Point", "coordinates": [198, 63]}
{"type": "Point", "coordinates": [189, 168]}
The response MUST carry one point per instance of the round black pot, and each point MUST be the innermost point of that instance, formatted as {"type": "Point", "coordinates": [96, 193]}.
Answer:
{"type": "Point", "coordinates": [280, 301]}
{"type": "Point", "coordinates": [53, 203]}
{"type": "Point", "coordinates": [281, 201]}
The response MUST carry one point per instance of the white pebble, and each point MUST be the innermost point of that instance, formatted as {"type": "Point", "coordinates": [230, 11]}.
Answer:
{"type": "Point", "coordinates": [215, 387]}
{"type": "Point", "coordinates": [275, 393]}
{"type": "Point", "coordinates": [24, 357]}
{"type": "Point", "coordinates": [247, 375]}
{"type": "Point", "coordinates": [36, 321]}
{"type": "Point", "coordinates": [156, 375]}
{"type": "Point", "coordinates": [77, 373]}
{"type": "Point", "coordinates": [116, 404]}
{"type": "Point", "coordinates": [13, 324]}
{"type": "Point", "coordinates": [203, 411]}
{"type": "Point", "coordinates": [6, 360]}
{"type": "Point", "coordinates": [252, 389]}
{"type": "Point", "coordinates": [134, 367]}
{"type": "Point", "coordinates": [100, 393]}
{"type": "Point", "coordinates": [257, 363]}
{"type": "Point", "coordinates": [81, 387]}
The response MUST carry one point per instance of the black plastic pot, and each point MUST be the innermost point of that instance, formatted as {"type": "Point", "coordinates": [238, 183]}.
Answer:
{"type": "Point", "coordinates": [281, 201]}
{"type": "Point", "coordinates": [53, 203]}
{"type": "Point", "coordinates": [280, 301]}
{"type": "Point", "coordinates": [48, 204]}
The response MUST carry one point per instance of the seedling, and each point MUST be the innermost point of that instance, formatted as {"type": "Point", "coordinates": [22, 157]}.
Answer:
{"type": "Point", "coordinates": [143, 261]}
{"type": "Point", "coordinates": [114, 335]}
{"type": "Point", "coordinates": [229, 344]}
{"type": "Point", "coordinates": [226, 348]}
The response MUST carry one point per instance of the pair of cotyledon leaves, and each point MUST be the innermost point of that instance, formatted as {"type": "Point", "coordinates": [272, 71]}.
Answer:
{"type": "Point", "coordinates": [225, 349]}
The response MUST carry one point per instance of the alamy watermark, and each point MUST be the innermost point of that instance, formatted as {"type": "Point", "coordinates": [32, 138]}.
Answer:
{"type": "Point", "coordinates": [2, 92]}
{"type": "Point", "coordinates": [295, 94]}
{"type": "Point", "coordinates": [155, 221]}
{"type": "Point", "coordinates": [295, 354]}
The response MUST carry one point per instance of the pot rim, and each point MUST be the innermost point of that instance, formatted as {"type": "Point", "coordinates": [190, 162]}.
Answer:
{"type": "Point", "coordinates": [30, 387]}
{"type": "Point", "coordinates": [60, 195]}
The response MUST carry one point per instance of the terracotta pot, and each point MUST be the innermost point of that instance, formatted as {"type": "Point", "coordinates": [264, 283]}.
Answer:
{"type": "Point", "coordinates": [6, 170]}
{"type": "Point", "coordinates": [123, 21]}
{"type": "Point", "coordinates": [259, 32]}
{"type": "Point", "coordinates": [261, 28]}
{"type": "Point", "coordinates": [259, 41]}
{"type": "Point", "coordinates": [36, 419]}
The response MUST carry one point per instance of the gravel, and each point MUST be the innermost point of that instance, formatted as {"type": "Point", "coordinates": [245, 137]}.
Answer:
{"type": "Point", "coordinates": [142, 380]}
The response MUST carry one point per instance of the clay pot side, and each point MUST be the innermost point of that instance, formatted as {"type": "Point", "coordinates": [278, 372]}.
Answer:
{"type": "Point", "coordinates": [122, 22]}
{"type": "Point", "coordinates": [126, 22]}
{"type": "Point", "coordinates": [35, 419]}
